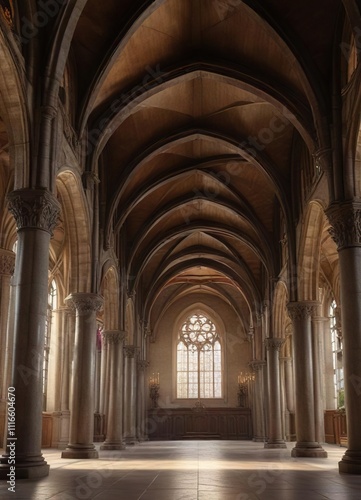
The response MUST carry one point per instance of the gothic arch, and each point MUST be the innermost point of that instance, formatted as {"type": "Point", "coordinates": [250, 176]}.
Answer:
{"type": "Point", "coordinates": [309, 252]}
{"type": "Point", "coordinates": [76, 221]}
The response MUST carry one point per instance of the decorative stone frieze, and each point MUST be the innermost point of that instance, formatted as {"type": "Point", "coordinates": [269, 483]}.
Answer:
{"type": "Point", "coordinates": [345, 220]}
{"type": "Point", "coordinates": [34, 208]}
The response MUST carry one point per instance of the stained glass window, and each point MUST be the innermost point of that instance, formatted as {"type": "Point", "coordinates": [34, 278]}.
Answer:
{"type": "Point", "coordinates": [199, 359]}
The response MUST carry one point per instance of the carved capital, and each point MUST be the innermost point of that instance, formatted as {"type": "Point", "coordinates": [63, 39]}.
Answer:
{"type": "Point", "coordinates": [34, 208]}
{"type": "Point", "coordinates": [7, 262]}
{"type": "Point", "coordinates": [85, 303]}
{"type": "Point", "coordinates": [274, 344]}
{"type": "Point", "coordinates": [113, 337]}
{"type": "Point", "coordinates": [302, 310]}
{"type": "Point", "coordinates": [345, 220]}
{"type": "Point", "coordinates": [130, 351]}
{"type": "Point", "coordinates": [257, 365]}
{"type": "Point", "coordinates": [142, 364]}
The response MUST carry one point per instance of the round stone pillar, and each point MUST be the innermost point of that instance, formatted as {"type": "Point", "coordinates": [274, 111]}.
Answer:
{"type": "Point", "coordinates": [114, 340]}
{"type": "Point", "coordinates": [130, 403]}
{"type": "Point", "coordinates": [258, 402]}
{"type": "Point", "coordinates": [141, 407]}
{"type": "Point", "coordinates": [82, 395]}
{"type": "Point", "coordinates": [306, 445]}
{"type": "Point", "coordinates": [318, 371]}
{"type": "Point", "coordinates": [7, 264]}
{"type": "Point", "coordinates": [275, 432]}
{"type": "Point", "coordinates": [345, 219]}
{"type": "Point", "coordinates": [36, 212]}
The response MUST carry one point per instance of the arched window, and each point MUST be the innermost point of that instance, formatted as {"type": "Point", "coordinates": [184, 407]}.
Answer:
{"type": "Point", "coordinates": [199, 359]}
{"type": "Point", "coordinates": [52, 305]}
{"type": "Point", "coordinates": [336, 341]}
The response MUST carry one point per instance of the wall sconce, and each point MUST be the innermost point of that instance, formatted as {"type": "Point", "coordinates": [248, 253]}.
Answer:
{"type": "Point", "coordinates": [243, 388]}
{"type": "Point", "coordinates": [154, 389]}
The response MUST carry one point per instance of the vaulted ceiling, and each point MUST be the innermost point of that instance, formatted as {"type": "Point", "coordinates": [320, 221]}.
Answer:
{"type": "Point", "coordinates": [193, 109]}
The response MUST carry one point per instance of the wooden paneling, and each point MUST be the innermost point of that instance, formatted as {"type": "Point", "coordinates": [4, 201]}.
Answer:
{"type": "Point", "coordinates": [210, 423]}
{"type": "Point", "coordinates": [47, 431]}
{"type": "Point", "coordinates": [335, 427]}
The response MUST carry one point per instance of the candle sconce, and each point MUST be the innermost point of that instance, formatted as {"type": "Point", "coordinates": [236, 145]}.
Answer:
{"type": "Point", "coordinates": [243, 389]}
{"type": "Point", "coordinates": [154, 390]}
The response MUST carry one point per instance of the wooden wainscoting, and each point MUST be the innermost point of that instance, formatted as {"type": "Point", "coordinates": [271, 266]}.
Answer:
{"type": "Point", "coordinates": [335, 427]}
{"type": "Point", "coordinates": [206, 423]}
{"type": "Point", "coordinates": [47, 430]}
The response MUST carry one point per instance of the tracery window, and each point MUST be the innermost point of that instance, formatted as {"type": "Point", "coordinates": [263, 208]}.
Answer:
{"type": "Point", "coordinates": [199, 359]}
{"type": "Point", "coordinates": [336, 341]}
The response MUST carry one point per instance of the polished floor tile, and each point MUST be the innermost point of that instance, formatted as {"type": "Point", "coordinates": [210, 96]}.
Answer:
{"type": "Point", "coordinates": [192, 470]}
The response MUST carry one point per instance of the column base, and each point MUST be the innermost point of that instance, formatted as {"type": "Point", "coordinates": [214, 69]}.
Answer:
{"type": "Point", "coordinates": [131, 440]}
{"type": "Point", "coordinates": [350, 463]}
{"type": "Point", "coordinates": [33, 469]}
{"type": "Point", "coordinates": [112, 446]}
{"type": "Point", "coordinates": [73, 451]}
{"type": "Point", "coordinates": [310, 450]}
{"type": "Point", "coordinates": [275, 444]}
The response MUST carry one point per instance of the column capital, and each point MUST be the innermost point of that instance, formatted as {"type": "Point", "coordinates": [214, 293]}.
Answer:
{"type": "Point", "coordinates": [113, 337]}
{"type": "Point", "coordinates": [274, 344]}
{"type": "Point", "coordinates": [84, 303]}
{"type": "Point", "coordinates": [130, 351]}
{"type": "Point", "coordinates": [143, 364]}
{"type": "Point", "coordinates": [257, 365]}
{"type": "Point", "coordinates": [7, 262]}
{"type": "Point", "coordinates": [345, 220]}
{"type": "Point", "coordinates": [34, 208]}
{"type": "Point", "coordinates": [302, 310]}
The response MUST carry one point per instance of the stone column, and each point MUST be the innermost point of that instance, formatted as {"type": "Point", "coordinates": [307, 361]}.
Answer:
{"type": "Point", "coordinates": [130, 394]}
{"type": "Point", "coordinates": [114, 341]}
{"type": "Point", "coordinates": [318, 371]}
{"type": "Point", "coordinates": [82, 395]}
{"type": "Point", "coordinates": [104, 394]}
{"type": "Point", "coordinates": [275, 432]}
{"type": "Point", "coordinates": [141, 407]}
{"type": "Point", "coordinates": [68, 321]}
{"type": "Point", "coordinates": [330, 395]}
{"type": "Point", "coordinates": [306, 445]}
{"type": "Point", "coordinates": [7, 264]}
{"type": "Point", "coordinates": [345, 219]}
{"type": "Point", "coordinates": [258, 402]}
{"type": "Point", "coordinates": [289, 395]}
{"type": "Point", "coordinates": [36, 212]}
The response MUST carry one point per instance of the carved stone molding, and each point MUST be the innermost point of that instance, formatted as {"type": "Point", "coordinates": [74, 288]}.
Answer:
{"type": "Point", "coordinates": [7, 262]}
{"type": "Point", "coordinates": [34, 208]}
{"type": "Point", "coordinates": [345, 220]}
{"type": "Point", "coordinates": [142, 364]}
{"type": "Point", "coordinates": [274, 344]}
{"type": "Point", "coordinates": [113, 337]}
{"type": "Point", "coordinates": [130, 351]}
{"type": "Point", "coordinates": [85, 303]}
{"type": "Point", "coordinates": [302, 310]}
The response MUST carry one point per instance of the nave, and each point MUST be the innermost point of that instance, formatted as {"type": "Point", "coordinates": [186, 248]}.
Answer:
{"type": "Point", "coordinates": [192, 470]}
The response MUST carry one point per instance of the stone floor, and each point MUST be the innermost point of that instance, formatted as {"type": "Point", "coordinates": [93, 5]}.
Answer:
{"type": "Point", "coordinates": [192, 470]}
